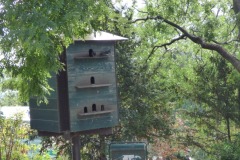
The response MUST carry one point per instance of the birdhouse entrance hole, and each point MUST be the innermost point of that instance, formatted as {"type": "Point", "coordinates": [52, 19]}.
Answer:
{"type": "Point", "coordinates": [85, 110]}
{"type": "Point", "coordinates": [94, 107]}
{"type": "Point", "coordinates": [102, 107]}
{"type": "Point", "coordinates": [92, 80]}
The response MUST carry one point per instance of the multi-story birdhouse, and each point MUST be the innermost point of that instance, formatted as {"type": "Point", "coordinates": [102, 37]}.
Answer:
{"type": "Point", "coordinates": [85, 94]}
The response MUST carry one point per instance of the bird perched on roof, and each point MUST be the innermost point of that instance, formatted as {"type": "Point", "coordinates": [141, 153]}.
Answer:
{"type": "Point", "coordinates": [105, 53]}
{"type": "Point", "coordinates": [92, 53]}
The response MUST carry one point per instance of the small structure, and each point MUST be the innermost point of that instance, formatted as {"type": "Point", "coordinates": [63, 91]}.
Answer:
{"type": "Point", "coordinates": [127, 151]}
{"type": "Point", "coordinates": [85, 93]}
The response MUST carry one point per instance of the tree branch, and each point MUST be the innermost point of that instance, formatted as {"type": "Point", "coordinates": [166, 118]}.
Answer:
{"type": "Point", "coordinates": [198, 40]}
{"type": "Point", "coordinates": [165, 45]}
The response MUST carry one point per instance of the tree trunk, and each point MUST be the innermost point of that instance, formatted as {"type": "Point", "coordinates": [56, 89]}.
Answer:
{"type": "Point", "coordinates": [102, 147]}
{"type": "Point", "coordinates": [228, 129]}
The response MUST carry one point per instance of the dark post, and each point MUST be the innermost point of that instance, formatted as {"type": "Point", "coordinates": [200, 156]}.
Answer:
{"type": "Point", "coordinates": [76, 147]}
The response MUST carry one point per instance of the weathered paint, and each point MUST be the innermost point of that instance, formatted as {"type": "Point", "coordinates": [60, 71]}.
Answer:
{"type": "Point", "coordinates": [45, 117]}
{"type": "Point", "coordinates": [81, 68]}
{"type": "Point", "coordinates": [45, 125]}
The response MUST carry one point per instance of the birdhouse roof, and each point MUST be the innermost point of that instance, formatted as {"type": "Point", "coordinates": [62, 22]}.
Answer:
{"type": "Point", "coordinates": [102, 36]}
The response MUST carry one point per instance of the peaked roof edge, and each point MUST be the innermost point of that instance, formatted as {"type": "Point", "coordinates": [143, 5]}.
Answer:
{"type": "Point", "coordinates": [101, 36]}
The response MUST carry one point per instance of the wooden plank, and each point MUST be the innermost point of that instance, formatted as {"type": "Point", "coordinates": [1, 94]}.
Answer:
{"type": "Point", "coordinates": [63, 100]}
{"type": "Point", "coordinates": [92, 86]}
{"type": "Point", "coordinates": [112, 100]}
{"type": "Point", "coordinates": [53, 84]}
{"type": "Point", "coordinates": [93, 95]}
{"type": "Point", "coordinates": [81, 103]}
{"type": "Point", "coordinates": [44, 114]}
{"type": "Point", "coordinates": [77, 59]}
{"type": "Point", "coordinates": [52, 104]}
{"type": "Point", "coordinates": [94, 66]}
{"type": "Point", "coordinates": [85, 56]}
{"type": "Point", "coordinates": [81, 79]}
{"type": "Point", "coordinates": [77, 116]}
{"type": "Point", "coordinates": [92, 92]}
{"type": "Point", "coordinates": [53, 81]}
{"type": "Point", "coordinates": [44, 125]}
{"type": "Point", "coordinates": [95, 113]}
{"type": "Point", "coordinates": [76, 112]}
{"type": "Point", "coordinates": [93, 78]}
{"type": "Point", "coordinates": [94, 123]}
{"type": "Point", "coordinates": [100, 131]}
{"type": "Point", "coordinates": [96, 120]}
{"type": "Point", "coordinates": [83, 47]}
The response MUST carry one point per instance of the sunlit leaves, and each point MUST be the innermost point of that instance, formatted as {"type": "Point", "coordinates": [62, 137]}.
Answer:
{"type": "Point", "coordinates": [174, 69]}
{"type": "Point", "coordinates": [34, 34]}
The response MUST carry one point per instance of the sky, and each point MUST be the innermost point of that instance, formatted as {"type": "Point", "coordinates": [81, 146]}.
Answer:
{"type": "Point", "coordinates": [128, 3]}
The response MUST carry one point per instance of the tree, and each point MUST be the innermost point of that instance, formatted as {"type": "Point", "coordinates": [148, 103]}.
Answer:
{"type": "Point", "coordinates": [143, 112]}
{"type": "Point", "coordinates": [197, 21]}
{"type": "Point", "coordinates": [163, 31]}
{"type": "Point", "coordinates": [34, 33]}
{"type": "Point", "coordinates": [14, 138]}
{"type": "Point", "coordinates": [8, 96]}
{"type": "Point", "coordinates": [210, 106]}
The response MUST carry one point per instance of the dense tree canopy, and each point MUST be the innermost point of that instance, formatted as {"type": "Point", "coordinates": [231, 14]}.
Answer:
{"type": "Point", "coordinates": [210, 24]}
{"type": "Point", "coordinates": [178, 73]}
{"type": "Point", "coordinates": [189, 49]}
{"type": "Point", "coordinates": [34, 33]}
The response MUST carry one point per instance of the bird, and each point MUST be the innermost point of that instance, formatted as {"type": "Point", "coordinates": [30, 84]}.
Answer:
{"type": "Point", "coordinates": [105, 53]}
{"type": "Point", "coordinates": [92, 53]}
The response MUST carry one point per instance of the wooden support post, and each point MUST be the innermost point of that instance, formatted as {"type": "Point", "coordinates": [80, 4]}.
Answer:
{"type": "Point", "coordinates": [76, 155]}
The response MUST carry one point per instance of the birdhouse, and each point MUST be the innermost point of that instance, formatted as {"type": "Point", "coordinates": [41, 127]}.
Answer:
{"type": "Point", "coordinates": [85, 93]}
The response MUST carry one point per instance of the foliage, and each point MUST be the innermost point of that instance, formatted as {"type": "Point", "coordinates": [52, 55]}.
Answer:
{"type": "Point", "coordinates": [201, 87]}
{"type": "Point", "coordinates": [11, 135]}
{"type": "Point", "coordinates": [34, 33]}
{"type": "Point", "coordinates": [228, 150]}
{"type": "Point", "coordinates": [8, 96]}
{"type": "Point", "coordinates": [212, 111]}
{"type": "Point", "coordinates": [167, 71]}
{"type": "Point", "coordinates": [14, 138]}
{"type": "Point", "coordinates": [58, 143]}
{"type": "Point", "coordinates": [143, 112]}
{"type": "Point", "coordinates": [92, 146]}
{"type": "Point", "coordinates": [167, 149]}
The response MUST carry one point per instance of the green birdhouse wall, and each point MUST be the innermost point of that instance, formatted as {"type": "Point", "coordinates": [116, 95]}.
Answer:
{"type": "Point", "coordinates": [85, 94]}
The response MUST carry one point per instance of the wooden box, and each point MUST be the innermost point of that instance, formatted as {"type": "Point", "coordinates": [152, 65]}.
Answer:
{"type": "Point", "coordinates": [85, 94]}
